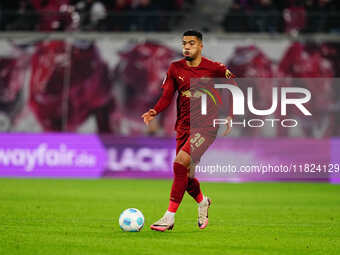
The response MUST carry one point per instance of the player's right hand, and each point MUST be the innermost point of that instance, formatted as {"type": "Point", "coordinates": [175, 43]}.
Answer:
{"type": "Point", "coordinates": [149, 116]}
{"type": "Point", "coordinates": [228, 129]}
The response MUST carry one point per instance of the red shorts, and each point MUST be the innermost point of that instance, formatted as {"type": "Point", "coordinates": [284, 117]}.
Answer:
{"type": "Point", "coordinates": [195, 143]}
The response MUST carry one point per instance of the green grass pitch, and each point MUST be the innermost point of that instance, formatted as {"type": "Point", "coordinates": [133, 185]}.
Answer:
{"type": "Point", "coordinates": [40, 216]}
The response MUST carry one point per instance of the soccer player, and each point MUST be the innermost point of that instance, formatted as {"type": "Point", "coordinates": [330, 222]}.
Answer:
{"type": "Point", "coordinates": [193, 65]}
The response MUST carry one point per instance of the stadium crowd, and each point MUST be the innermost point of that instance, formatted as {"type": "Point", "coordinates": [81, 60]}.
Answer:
{"type": "Point", "coordinates": [103, 15]}
{"type": "Point", "coordinates": [290, 16]}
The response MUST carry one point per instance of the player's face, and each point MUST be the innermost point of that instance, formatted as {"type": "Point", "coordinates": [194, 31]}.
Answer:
{"type": "Point", "coordinates": [192, 47]}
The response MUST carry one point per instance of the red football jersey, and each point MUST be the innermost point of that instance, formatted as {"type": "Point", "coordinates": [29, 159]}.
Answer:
{"type": "Point", "coordinates": [178, 79]}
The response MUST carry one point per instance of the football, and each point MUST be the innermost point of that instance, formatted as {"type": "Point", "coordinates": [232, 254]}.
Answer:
{"type": "Point", "coordinates": [131, 220]}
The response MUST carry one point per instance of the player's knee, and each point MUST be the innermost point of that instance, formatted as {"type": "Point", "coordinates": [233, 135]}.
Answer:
{"type": "Point", "coordinates": [180, 161]}
{"type": "Point", "coordinates": [191, 173]}
{"type": "Point", "coordinates": [183, 158]}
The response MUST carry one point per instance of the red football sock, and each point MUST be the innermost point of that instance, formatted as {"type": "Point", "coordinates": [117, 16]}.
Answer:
{"type": "Point", "coordinates": [194, 189]}
{"type": "Point", "coordinates": [179, 186]}
{"type": "Point", "coordinates": [173, 206]}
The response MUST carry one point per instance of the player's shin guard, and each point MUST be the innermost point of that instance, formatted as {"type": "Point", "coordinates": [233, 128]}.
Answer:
{"type": "Point", "coordinates": [179, 186]}
{"type": "Point", "coordinates": [194, 189]}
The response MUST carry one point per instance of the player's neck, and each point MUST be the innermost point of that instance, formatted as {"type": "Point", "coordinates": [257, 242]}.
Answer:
{"type": "Point", "coordinates": [195, 62]}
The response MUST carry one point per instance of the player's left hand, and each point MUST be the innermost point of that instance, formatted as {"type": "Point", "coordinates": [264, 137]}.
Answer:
{"type": "Point", "coordinates": [228, 129]}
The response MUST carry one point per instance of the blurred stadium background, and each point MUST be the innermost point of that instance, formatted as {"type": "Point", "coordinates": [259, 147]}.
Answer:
{"type": "Point", "coordinates": [75, 77]}
{"type": "Point", "coordinates": [90, 68]}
